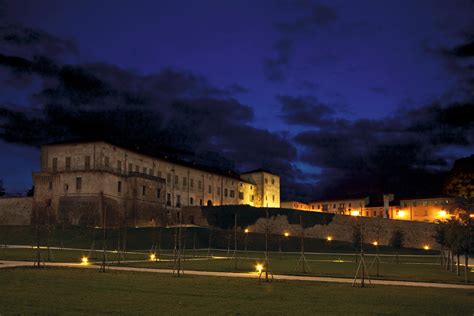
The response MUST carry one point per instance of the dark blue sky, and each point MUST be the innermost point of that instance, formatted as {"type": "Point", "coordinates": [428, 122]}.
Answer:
{"type": "Point", "coordinates": [346, 61]}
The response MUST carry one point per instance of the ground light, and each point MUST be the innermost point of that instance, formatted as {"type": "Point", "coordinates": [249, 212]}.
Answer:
{"type": "Point", "coordinates": [84, 260]}
{"type": "Point", "coordinates": [426, 247]}
{"type": "Point", "coordinates": [375, 243]}
{"type": "Point", "coordinates": [286, 234]}
{"type": "Point", "coordinates": [329, 238]}
{"type": "Point", "coordinates": [152, 257]}
{"type": "Point", "coordinates": [401, 214]}
{"type": "Point", "coordinates": [259, 268]}
{"type": "Point", "coordinates": [246, 230]}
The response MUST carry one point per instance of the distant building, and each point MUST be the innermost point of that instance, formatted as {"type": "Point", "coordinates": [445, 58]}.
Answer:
{"type": "Point", "coordinates": [295, 205]}
{"type": "Point", "coordinates": [80, 180]}
{"type": "Point", "coordinates": [353, 206]}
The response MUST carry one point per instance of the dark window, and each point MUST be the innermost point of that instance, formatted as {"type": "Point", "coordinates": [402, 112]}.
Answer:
{"type": "Point", "coordinates": [55, 164]}
{"type": "Point", "coordinates": [191, 219]}
{"type": "Point", "coordinates": [200, 202]}
{"type": "Point", "coordinates": [251, 198]}
{"type": "Point", "coordinates": [130, 167]}
{"type": "Point", "coordinates": [119, 165]}
{"type": "Point", "coordinates": [150, 172]}
{"type": "Point", "coordinates": [168, 178]}
{"type": "Point", "coordinates": [119, 186]}
{"type": "Point", "coordinates": [266, 180]}
{"type": "Point", "coordinates": [158, 193]}
{"type": "Point", "coordinates": [68, 163]}
{"type": "Point", "coordinates": [87, 162]}
{"type": "Point", "coordinates": [184, 181]}
{"type": "Point", "coordinates": [199, 184]}
{"type": "Point", "coordinates": [137, 168]}
{"type": "Point", "coordinates": [176, 180]}
{"type": "Point", "coordinates": [106, 161]}
{"type": "Point", "coordinates": [178, 200]}
{"type": "Point", "coordinates": [241, 195]}
{"type": "Point", "coordinates": [144, 170]}
{"type": "Point", "coordinates": [225, 192]}
{"type": "Point", "coordinates": [78, 183]}
{"type": "Point", "coordinates": [273, 198]}
{"type": "Point", "coordinates": [48, 202]}
{"type": "Point", "coordinates": [66, 187]}
{"type": "Point", "coordinates": [50, 186]}
{"type": "Point", "coordinates": [191, 183]}
{"type": "Point", "coordinates": [210, 189]}
{"type": "Point", "coordinates": [218, 191]}
{"type": "Point", "coordinates": [232, 193]}
{"type": "Point", "coordinates": [168, 199]}
{"type": "Point", "coordinates": [273, 181]}
{"type": "Point", "coordinates": [143, 190]}
{"type": "Point", "coordinates": [191, 201]}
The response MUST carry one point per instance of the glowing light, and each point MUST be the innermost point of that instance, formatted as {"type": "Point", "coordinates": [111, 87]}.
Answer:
{"type": "Point", "coordinates": [259, 268]}
{"type": "Point", "coordinates": [355, 213]}
{"type": "Point", "coordinates": [375, 243]}
{"type": "Point", "coordinates": [426, 247]}
{"type": "Point", "coordinates": [329, 238]}
{"type": "Point", "coordinates": [152, 257]}
{"type": "Point", "coordinates": [84, 260]}
{"type": "Point", "coordinates": [471, 215]}
{"type": "Point", "coordinates": [442, 213]}
{"type": "Point", "coordinates": [401, 213]}
{"type": "Point", "coordinates": [286, 234]}
{"type": "Point", "coordinates": [246, 230]}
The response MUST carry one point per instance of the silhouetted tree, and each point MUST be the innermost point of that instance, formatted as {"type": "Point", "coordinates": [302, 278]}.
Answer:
{"type": "Point", "coordinates": [397, 241]}
{"type": "Point", "coordinates": [31, 191]}
{"type": "Point", "coordinates": [2, 188]}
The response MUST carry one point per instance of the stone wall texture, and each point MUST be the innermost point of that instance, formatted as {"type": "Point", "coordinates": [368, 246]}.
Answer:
{"type": "Point", "coordinates": [15, 211]}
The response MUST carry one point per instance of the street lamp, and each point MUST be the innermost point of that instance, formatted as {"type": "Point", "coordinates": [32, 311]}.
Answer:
{"type": "Point", "coordinates": [152, 257]}
{"type": "Point", "coordinates": [246, 231]}
{"type": "Point", "coordinates": [329, 238]}
{"type": "Point", "coordinates": [84, 260]}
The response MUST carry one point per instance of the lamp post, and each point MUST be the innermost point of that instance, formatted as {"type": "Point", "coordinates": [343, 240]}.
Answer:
{"type": "Point", "coordinates": [246, 231]}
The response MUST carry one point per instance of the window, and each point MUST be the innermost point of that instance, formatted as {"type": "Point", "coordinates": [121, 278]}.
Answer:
{"type": "Point", "coordinates": [144, 170]}
{"type": "Point", "coordinates": [50, 186]}
{"type": "Point", "coordinates": [168, 178]}
{"type": "Point", "coordinates": [191, 183]}
{"type": "Point", "coordinates": [168, 199]}
{"type": "Point", "coordinates": [87, 162]}
{"type": "Point", "coordinates": [143, 190]}
{"type": "Point", "coordinates": [159, 174]}
{"type": "Point", "coordinates": [106, 161]}
{"type": "Point", "coordinates": [199, 184]}
{"type": "Point", "coordinates": [48, 202]}
{"type": "Point", "coordinates": [184, 181]}
{"type": "Point", "coordinates": [200, 202]}
{"type": "Point", "coordinates": [55, 164]}
{"type": "Point", "coordinates": [210, 189]}
{"type": "Point", "coordinates": [119, 186]}
{"type": "Point", "coordinates": [251, 198]}
{"type": "Point", "coordinates": [68, 163]}
{"type": "Point", "coordinates": [273, 181]}
{"type": "Point", "coordinates": [137, 168]}
{"type": "Point", "coordinates": [176, 180]}
{"type": "Point", "coordinates": [232, 193]}
{"type": "Point", "coordinates": [241, 195]}
{"type": "Point", "coordinates": [150, 172]}
{"type": "Point", "coordinates": [225, 192]}
{"type": "Point", "coordinates": [266, 181]}
{"type": "Point", "coordinates": [191, 201]}
{"type": "Point", "coordinates": [273, 198]}
{"type": "Point", "coordinates": [191, 219]}
{"type": "Point", "coordinates": [350, 205]}
{"type": "Point", "coordinates": [78, 183]}
{"type": "Point", "coordinates": [66, 187]}
{"type": "Point", "coordinates": [178, 200]}
{"type": "Point", "coordinates": [119, 165]}
{"type": "Point", "coordinates": [158, 193]}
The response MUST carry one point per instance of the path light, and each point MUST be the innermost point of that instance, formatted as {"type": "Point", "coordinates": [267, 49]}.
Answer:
{"type": "Point", "coordinates": [286, 234]}
{"type": "Point", "coordinates": [152, 257]}
{"type": "Point", "coordinates": [375, 243]}
{"type": "Point", "coordinates": [84, 260]}
{"type": "Point", "coordinates": [246, 230]}
{"type": "Point", "coordinates": [329, 238]}
{"type": "Point", "coordinates": [259, 267]}
{"type": "Point", "coordinates": [426, 247]}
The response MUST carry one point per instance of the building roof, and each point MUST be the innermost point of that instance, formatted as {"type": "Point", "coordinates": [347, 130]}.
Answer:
{"type": "Point", "coordinates": [190, 164]}
{"type": "Point", "coordinates": [336, 199]}
{"type": "Point", "coordinates": [260, 170]}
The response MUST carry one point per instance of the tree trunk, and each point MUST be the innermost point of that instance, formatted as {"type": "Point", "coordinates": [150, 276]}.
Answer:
{"type": "Point", "coordinates": [458, 270]}
{"type": "Point", "coordinates": [466, 267]}
{"type": "Point", "coordinates": [452, 261]}
{"type": "Point", "coordinates": [441, 256]}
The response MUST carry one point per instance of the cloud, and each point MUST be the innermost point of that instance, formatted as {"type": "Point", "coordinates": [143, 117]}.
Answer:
{"type": "Point", "coordinates": [303, 110]}
{"type": "Point", "coordinates": [173, 111]}
{"type": "Point", "coordinates": [309, 15]}
{"type": "Point", "coordinates": [274, 67]}
{"type": "Point", "coordinates": [402, 153]}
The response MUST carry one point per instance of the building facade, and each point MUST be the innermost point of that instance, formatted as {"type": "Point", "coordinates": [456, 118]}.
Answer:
{"type": "Point", "coordinates": [79, 181]}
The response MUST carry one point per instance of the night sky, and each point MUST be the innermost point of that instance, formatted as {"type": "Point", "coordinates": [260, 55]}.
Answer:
{"type": "Point", "coordinates": [338, 97]}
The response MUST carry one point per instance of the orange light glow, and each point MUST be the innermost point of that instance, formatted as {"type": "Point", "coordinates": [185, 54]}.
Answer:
{"type": "Point", "coordinates": [152, 257]}
{"type": "Point", "coordinates": [355, 213]}
{"type": "Point", "coordinates": [329, 238]}
{"type": "Point", "coordinates": [84, 260]}
{"type": "Point", "coordinates": [442, 213]}
{"type": "Point", "coordinates": [401, 213]}
{"type": "Point", "coordinates": [426, 247]}
{"type": "Point", "coordinates": [246, 230]}
{"type": "Point", "coordinates": [259, 267]}
{"type": "Point", "coordinates": [375, 243]}
{"type": "Point", "coordinates": [286, 234]}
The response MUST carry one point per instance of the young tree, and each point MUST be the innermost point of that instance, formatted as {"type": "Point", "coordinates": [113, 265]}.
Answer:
{"type": "Point", "coordinates": [2, 188]}
{"type": "Point", "coordinates": [397, 241]}
{"type": "Point", "coordinates": [440, 237]}
{"type": "Point", "coordinates": [356, 239]}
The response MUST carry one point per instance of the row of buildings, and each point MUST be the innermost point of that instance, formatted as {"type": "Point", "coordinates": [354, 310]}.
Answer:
{"type": "Point", "coordinates": [78, 181]}
{"type": "Point", "coordinates": [418, 209]}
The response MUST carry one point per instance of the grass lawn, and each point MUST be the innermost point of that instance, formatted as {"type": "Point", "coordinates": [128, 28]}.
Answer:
{"type": "Point", "coordinates": [424, 269]}
{"type": "Point", "coordinates": [71, 291]}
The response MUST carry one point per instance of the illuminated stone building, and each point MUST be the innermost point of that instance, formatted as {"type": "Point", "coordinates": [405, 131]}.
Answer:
{"type": "Point", "coordinates": [79, 180]}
